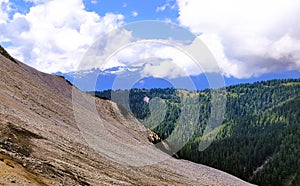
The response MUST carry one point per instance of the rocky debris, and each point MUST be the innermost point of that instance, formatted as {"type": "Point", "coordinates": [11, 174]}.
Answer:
{"type": "Point", "coordinates": [15, 139]}
{"type": "Point", "coordinates": [41, 142]}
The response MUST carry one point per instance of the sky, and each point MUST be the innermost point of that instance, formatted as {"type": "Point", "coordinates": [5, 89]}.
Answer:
{"type": "Point", "coordinates": [247, 38]}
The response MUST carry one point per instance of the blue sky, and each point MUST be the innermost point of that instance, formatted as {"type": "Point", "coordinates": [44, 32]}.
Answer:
{"type": "Point", "coordinates": [248, 39]}
{"type": "Point", "coordinates": [145, 9]}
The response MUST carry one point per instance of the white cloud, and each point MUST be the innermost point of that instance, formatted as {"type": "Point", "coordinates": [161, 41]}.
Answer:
{"type": "Point", "coordinates": [104, 49]}
{"type": "Point", "coordinates": [248, 38]}
{"type": "Point", "coordinates": [156, 59]}
{"type": "Point", "coordinates": [54, 35]}
{"type": "Point", "coordinates": [134, 13]}
{"type": "Point", "coordinates": [4, 8]}
{"type": "Point", "coordinates": [169, 4]}
{"type": "Point", "coordinates": [161, 8]}
{"type": "Point", "coordinates": [164, 58]}
{"type": "Point", "coordinates": [162, 69]}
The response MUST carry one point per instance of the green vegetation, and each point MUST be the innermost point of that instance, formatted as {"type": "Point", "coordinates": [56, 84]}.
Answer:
{"type": "Point", "coordinates": [258, 141]}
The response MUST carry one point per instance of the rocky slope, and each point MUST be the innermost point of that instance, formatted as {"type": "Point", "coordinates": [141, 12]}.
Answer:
{"type": "Point", "coordinates": [44, 142]}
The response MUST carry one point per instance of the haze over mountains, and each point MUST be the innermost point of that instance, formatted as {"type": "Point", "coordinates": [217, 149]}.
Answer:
{"type": "Point", "coordinates": [41, 144]}
{"type": "Point", "coordinates": [104, 79]}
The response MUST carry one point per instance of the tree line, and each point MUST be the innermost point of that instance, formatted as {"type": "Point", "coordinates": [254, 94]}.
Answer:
{"type": "Point", "coordinates": [258, 140]}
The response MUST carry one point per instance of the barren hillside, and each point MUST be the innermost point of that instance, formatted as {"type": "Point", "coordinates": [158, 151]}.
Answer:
{"type": "Point", "coordinates": [42, 141]}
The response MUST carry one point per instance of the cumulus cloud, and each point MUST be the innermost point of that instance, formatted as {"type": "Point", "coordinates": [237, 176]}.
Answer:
{"type": "Point", "coordinates": [157, 59]}
{"type": "Point", "coordinates": [183, 56]}
{"type": "Point", "coordinates": [248, 38]}
{"type": "Point", "coordinates": [102, 54]}
{"type": "Point", "coordinates": [54, 35]}
{"type": "Point", "coordinates": [161, 69]}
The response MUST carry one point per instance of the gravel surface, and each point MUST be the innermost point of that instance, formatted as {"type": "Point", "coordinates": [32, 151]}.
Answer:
{"type": "Point", "coordinates": [53, 134]}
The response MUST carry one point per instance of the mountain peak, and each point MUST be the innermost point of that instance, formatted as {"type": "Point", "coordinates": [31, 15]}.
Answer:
{"type": "Point", "coordinates": [6, 54]}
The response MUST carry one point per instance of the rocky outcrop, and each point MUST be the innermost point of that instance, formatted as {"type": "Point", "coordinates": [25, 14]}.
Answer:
{"type": "Point", "coordinates": [153, 137]}
{"type": "Point", "coordinates": [4, 53]}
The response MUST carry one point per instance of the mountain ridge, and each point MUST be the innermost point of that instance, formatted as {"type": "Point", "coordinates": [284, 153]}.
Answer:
{"type": "Point", "coordinates": [105, 79]}
{"type": "Point", "coordinates": [260, 127]}
{"type": "Point", "coordinates": [41, 144]}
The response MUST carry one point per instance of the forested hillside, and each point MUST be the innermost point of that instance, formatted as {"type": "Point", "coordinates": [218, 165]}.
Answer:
{"type": "Point", "coordinates": [259, 139]}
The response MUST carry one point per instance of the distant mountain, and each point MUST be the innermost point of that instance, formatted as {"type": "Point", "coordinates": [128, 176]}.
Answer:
{"type": "Point", "coordinates": [97, 80]}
